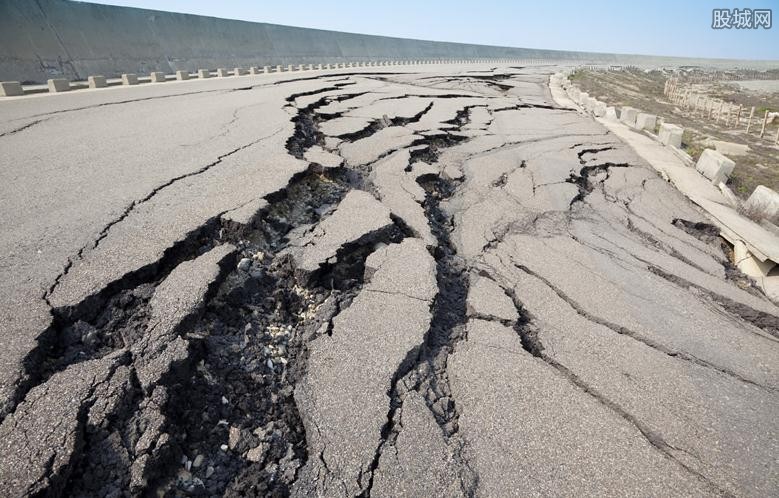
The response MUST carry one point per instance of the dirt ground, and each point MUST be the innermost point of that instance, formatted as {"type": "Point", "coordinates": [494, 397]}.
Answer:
{"type": "Point", "coordinates": [644, 91]}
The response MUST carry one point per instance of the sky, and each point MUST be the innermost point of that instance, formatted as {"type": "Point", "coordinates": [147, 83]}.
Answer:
{"type": "Point", "coordinates": [653, 27]}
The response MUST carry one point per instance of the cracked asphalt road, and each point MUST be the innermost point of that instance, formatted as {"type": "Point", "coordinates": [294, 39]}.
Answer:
{"type": "Point", "coordinates": [387, 283]}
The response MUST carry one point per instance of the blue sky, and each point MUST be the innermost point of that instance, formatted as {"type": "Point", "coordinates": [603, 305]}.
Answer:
{"type": "Point", "coordinates": [657, 27]}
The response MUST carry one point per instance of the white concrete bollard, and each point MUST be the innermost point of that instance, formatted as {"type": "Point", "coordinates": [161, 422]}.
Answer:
{"type": "Point", "coordinates": [599, 109]}
{"type": "Point", "coordinates": [182, 75]}
{"type": "Point", "coordinates": [290, 67]}
{"type": "Point", "coordinates": [266, 69]}
{"type": "Point", "coordinates": [203, 73]}
{"type": "Point", "coordinates": [301, 67]}
{"type": "Point", "coordinates": [222, 72]}
{"type": "Point", "coordinates": [765, 200]}
{"type": "Point", "coordinates": [319, 67]}
{"type": "Point", "coordinates": [10, 89]}
{"type": "Point", "coordinates": [58, 85]}
{"type": "Point", "coordinates": [589, 103]}
{"type": "Point", "coordinates": [157, 77]}
{"type": "Point", "coordinates": [239, 71]}
{"type": "Point", "coordinates": [714, 166]}
{"type": "Point", "coordinates": [278, 69]}
{"type": "Point", "coordinates": [628, 116]}
{"type": "Point", "coordinates": [129, 79]}
{"type": "Point", "coordinates": [646, 121]}
{"type": "Point", "coordinates": [671, 135]}
{"type": "Point", "coordinates": [97, 81]}
{"type": "Point", "coordinates": [758, 269]}
{"type": "Point", "coordinates": [254, 70]}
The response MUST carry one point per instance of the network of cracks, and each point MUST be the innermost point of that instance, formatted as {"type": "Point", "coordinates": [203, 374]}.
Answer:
{"type": "Point", "coordinates": [219, 416]}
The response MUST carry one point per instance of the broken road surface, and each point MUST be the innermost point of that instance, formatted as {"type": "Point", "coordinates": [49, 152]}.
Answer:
{"type": "Point", "coordinates": [386, 283]}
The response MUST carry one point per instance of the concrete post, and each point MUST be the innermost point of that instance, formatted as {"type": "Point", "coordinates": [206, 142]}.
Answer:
{"type": "Point", "coordinates": [764, 199]}
{"type": "Point", "coordinates": [765, 121]}
{"type": "Point", "coordinates": [751, 115]}
{"type": "Point", "coordinates": [646, 121]}
{"type": "Point", "coordinates": [10, 88]}
{"type": "Point", "coordinates": [290, 67]}
{"type": "Point", "coordinates": [129, 79]}
{"type": "Point", "coordinates": [301, 67]}
{"type": "Point", "coordinates": [670, 135]}
{"type": "Point", "coordinates": [222, 72]}
{"type": "Point", "coordinates": [254, 70]}
{"type": "Point", "coordinates": [715, 166]}
{"type": "Point", "coordinates": [319, 67]}
{"type": "Point", "coordinates": [57, 85]}
{"type": "Point", "coordinates": [157, 77]}
{"type": "Point", "coordinates": [628, 116]}
{"type": "Point", "coordinates": [97, 82]}
{"type": "Point", "coordinates": [203, 73]}
{"type": "Point", "coordinates": [266, 69]}
{"type": "Point", "coordinates": [182, 75]}
{"type": "Point", "coordinates": [239, 71]}
{"type": "Point", "coordinates": [278, 69]}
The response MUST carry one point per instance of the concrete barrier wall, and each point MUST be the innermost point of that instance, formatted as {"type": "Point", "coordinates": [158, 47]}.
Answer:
{"type": "Point", "coordinates": [42, 39]}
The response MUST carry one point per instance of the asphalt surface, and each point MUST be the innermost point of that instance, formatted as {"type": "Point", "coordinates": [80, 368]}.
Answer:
{"type": "Point", "coordinates": [396, 282]}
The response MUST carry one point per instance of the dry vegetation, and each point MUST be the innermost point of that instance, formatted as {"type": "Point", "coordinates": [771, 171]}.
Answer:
{"type": "Point", "coordinates": [644, 91]}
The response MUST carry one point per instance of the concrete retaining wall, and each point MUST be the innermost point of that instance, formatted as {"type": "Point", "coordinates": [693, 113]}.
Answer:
{"type": "Point", "coordinates": [42, 39]}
